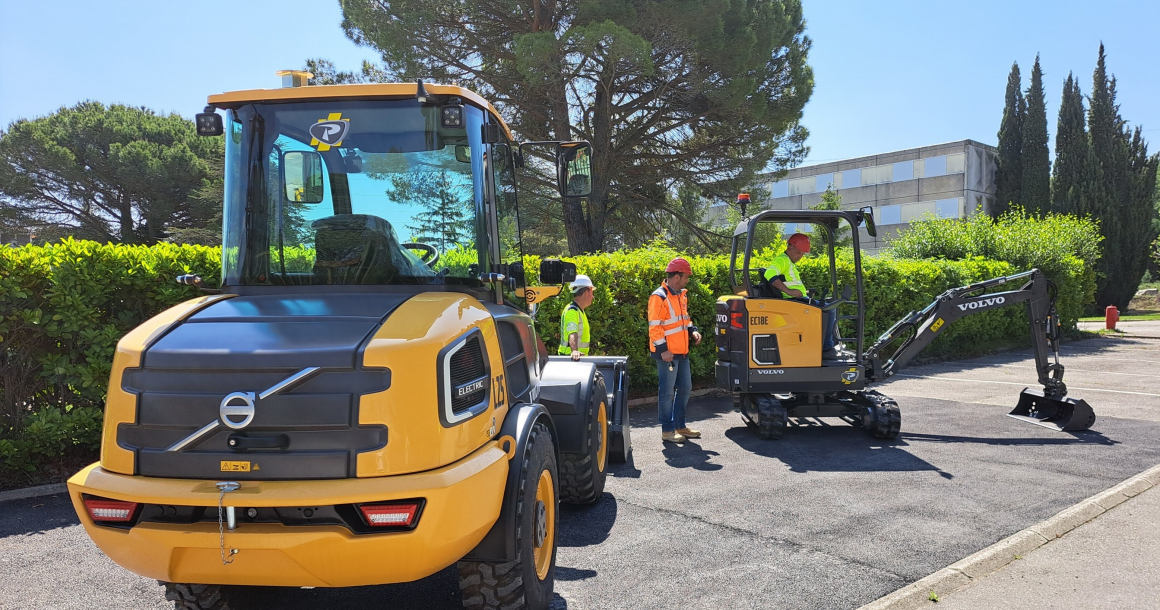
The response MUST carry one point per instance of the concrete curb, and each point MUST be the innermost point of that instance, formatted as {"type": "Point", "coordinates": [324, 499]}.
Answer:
{"type": "Point", "coordinates": [33, 492]}
{"type": "Point", "coordinates": [980, 564]}
{"type": "Point", "coordinates": [652, 400]}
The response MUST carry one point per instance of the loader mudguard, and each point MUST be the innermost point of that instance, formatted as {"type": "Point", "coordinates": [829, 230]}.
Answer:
{"type": "Point", "coordinates": [566, 391]}
{"type": "Point", "coordinates": [499, 545]}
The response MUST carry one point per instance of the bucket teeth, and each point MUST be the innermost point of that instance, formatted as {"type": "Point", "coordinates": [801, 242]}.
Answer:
{"type": "Point", "coordinates": [1064, 415]}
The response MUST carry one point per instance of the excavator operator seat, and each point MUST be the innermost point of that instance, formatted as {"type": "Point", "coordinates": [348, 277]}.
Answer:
{"type": "Point", "coordinates": [354, 249]}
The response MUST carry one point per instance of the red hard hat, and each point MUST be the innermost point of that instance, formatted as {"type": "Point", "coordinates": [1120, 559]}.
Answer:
{"type": "Point", "coordinates": [799, 241]}
{"type": "Point", "coordinates": [679, 265]}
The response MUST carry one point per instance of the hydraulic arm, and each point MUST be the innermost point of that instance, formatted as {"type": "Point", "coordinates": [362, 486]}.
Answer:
{"type": "Point", "coordinates": [1050, 406]}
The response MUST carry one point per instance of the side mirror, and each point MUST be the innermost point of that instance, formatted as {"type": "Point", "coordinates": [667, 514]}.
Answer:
{"type": "Point", "coordinates": [554, 272]}
{"type": "Point", "coordinates": [516, 273]}
{"type": "Point", "coordinates": [302, 176]}
{"type": "Point", "coordinates": [209, 123]}
{"type": "Point", "coordinates": [868, 218]}
{"type": "Point", "coordinates": [463, 154]}
{"type": "Point", "coordinates": [574, 168]}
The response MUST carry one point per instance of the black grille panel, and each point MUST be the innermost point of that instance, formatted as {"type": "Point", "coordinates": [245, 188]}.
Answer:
{"type": "Point", "coordinates": [765, 350]}
{"type": "Point", "coordinates": [468, 376]}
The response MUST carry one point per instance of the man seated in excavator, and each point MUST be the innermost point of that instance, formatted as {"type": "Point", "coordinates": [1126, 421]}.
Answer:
{"type": "Point", "coordinates": [783, 281]}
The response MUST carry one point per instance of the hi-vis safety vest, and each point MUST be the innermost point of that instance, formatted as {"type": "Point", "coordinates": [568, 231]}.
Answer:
{"type": "Point", "coordinates": [668, 321]}
{"type": "Point", "coordinates": [573, 320]}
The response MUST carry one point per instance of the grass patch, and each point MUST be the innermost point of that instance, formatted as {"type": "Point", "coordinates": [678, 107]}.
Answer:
{"type": "Point", "coordinates": [1135, 317]}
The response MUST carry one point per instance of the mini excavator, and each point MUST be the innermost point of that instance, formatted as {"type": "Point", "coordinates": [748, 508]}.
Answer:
{"type": "Point", "coordinates": [769, 346]}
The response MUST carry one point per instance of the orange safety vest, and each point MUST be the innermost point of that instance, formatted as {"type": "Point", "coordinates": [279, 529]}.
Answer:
{"type": "Point", "coordinates": [668, 321]}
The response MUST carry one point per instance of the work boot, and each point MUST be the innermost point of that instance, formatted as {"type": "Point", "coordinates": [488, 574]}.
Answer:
{"type": "Point", "coordinates": [672, 437]}
{"type": "Point", "coordinates": [689, 433]}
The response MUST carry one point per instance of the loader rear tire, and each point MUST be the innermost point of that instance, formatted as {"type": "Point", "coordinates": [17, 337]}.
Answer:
{"type": "Point", "coordinates": [527, 582]}
{"type": "Point", "coordinates": [582, 475]}
{"type": "Point", "coordinates": [187, 596]}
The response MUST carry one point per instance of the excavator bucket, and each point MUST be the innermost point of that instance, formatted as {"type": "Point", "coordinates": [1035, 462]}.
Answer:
{"type": "Point", "coordinates": [1065, 415]}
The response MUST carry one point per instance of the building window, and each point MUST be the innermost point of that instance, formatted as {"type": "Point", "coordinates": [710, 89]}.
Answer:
{"type": "Point", "coordinates": [889, 215]}
{"type": "Point", "coordinates": [779, 189]}
{"type": "Point", "coordinates": [823, 182]}
{"type": "Point", "coordinates": [851, 178]}
{"type": "Point", "coordinates": [949, 208]}
{"type": "Point", "coordinates": [801, 186]}
{"type": "Point", "coordinates": [903, 170]}
{"type": "Point", "coordinates": [955, 163]}
{"type": "Point", "coordinates": [934, 166]}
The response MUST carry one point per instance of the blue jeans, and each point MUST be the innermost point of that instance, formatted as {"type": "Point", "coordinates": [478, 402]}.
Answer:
{"type": "Point", "coordinates": [673, 396]}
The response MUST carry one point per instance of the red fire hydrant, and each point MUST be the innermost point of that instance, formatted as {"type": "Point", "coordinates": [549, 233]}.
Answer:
{"type": "Point", "coordinates": [1111, 316]}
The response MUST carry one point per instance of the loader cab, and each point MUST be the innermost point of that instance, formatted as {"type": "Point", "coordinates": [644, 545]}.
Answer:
{"type": "Point", "coordinates": [399, 191]}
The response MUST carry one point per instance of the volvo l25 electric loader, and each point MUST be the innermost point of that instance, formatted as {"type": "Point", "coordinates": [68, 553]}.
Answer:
{"type": "Point", "coordinates": [364, 399]}
{"type": "Point", "coordinates": [769, 346]}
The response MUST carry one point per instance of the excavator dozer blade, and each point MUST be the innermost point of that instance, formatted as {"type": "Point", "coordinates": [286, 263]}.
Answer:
{"type": "Point", "coordinates": [1066, 415]}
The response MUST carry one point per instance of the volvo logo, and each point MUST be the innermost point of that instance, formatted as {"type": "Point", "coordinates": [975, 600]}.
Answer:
{"type": "Point", "coordinates": [238, 404]}
{"type": "Point", "coordinates": [981, 303]}
{"type": "Point", "coordinates": [237, 409]}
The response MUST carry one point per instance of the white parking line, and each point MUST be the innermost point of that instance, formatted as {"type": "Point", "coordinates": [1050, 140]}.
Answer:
{"type": "Point", "coordinates": [1071, 370]}
{"type": "Point", "coordinates": [1023, 384]}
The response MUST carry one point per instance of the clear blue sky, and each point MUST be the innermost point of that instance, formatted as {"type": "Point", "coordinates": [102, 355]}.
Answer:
{"type": "Point", "coordinates": [889, 75]}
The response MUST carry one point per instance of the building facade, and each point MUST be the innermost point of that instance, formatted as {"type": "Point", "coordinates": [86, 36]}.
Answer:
{"type": "Point", "coordinates": [952, 180]}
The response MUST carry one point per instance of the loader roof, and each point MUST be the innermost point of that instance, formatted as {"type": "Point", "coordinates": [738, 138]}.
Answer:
{"type": "Point", "coordinates": [330, 92]}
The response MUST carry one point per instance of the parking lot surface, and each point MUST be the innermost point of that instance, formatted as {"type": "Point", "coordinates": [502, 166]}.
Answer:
{"type": "Point", "coordinates": [824, 518]}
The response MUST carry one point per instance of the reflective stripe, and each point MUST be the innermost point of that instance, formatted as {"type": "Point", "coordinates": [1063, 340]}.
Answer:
{"type": "Point", "coordinates": [655, 322]}
{"type": "Point", "coordinates": [658, 342]}
{"type": "Point", "coordinates": [673, 331]}
{"type": "Point", "coordinates": [583, 345]}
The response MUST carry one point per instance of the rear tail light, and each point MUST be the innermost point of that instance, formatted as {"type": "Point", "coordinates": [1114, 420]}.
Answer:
{"type": "Point", "coordinates": [737, 320]}
{"type": "Point", "coordinates": [400, 514]}
{"type": "Point", "coordinates": [110, 511]}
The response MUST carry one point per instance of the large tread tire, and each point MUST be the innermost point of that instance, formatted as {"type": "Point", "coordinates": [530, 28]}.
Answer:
{"type": "Point", "coordinates": [581, 476]}
{"type": "Point", "coordinates": [197, 597]}
{"type": "Point", "coordinates": [882, 417]}
{"type": "Point", "coordinates": [773, 418]}
{"type": "Point", "coordinates": [514, 585]}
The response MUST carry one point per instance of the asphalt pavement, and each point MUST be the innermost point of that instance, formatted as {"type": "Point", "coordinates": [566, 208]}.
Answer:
{"type": "Point", "coordinates": [826, 517]}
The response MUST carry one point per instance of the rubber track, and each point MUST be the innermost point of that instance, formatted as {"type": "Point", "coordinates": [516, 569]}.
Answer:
{"type": "Point", "coordinates": [197, 597]}
{"type": "Point", "coordinates": [500, 586]}
{"type": "Point", "coordinates": [887, 416]}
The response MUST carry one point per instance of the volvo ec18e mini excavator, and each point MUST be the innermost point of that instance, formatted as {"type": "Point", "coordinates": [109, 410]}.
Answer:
{"type": "Point", "coordinates": [364, 399]}
{"type": "Point", "coordinates": [769, 348]}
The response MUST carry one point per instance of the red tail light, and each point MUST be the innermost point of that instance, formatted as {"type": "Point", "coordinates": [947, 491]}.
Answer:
{"type": "Point", "coordinates": [390, 515]}
{"type": "Point", "coordinates": [737, 320]}
{"type": "Point", "coordinates": [110, 511]}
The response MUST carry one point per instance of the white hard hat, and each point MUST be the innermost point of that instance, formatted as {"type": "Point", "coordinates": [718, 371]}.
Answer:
{"type": "Point", "coordinates": [582, 281]}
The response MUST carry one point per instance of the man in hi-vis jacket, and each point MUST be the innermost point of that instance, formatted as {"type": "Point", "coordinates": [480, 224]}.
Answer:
{"type": "Point", "coordinates": [670, 333]}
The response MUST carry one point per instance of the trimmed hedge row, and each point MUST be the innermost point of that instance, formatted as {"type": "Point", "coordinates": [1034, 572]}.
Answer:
{"type": "Point", "coordinates": [64, 306]}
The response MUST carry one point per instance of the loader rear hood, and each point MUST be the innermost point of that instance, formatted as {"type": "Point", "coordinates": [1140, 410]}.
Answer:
{"type": "Point", "coordinates": [281, 375]}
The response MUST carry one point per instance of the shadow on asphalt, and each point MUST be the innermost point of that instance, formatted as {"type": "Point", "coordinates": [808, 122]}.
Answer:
{"type": "Point", "coordinates": [626, 470]}
{"type": "Point", "coordinates": [587, 525]}
{"type": "Point", "coordinates": [839, 448]}
{"type": "Point", "coordinates": [1088, 437]}
{"type": "Point", "coordinates": [36, 515]}
{"type": "Point", "coordinates": [690, 455]}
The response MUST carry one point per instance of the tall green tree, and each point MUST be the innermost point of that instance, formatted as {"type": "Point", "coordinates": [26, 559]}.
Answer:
{"type": "Point", "coordinates": [1070, 183]}
{"type": "Point", "coordinates": [1009, 173]}
{"type": "Point", "coordinates": [115, 173]}
{"type": "Point", "coordinates": [1139, 216]}
{"type": "Point", "coordinates": [1035, 183]}
{"type": "Point", "coordinates": [447, 219]}
{"type": "Point", "coordinates": [670, 93]}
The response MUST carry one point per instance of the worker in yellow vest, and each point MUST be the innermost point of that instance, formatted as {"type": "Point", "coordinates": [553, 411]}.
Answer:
{"type": "Point", "coordinates": [575, 333]}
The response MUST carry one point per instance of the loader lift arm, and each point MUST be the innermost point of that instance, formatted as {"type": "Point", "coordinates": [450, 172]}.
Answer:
{"type": "Point", "coordinates": [1049, 407]}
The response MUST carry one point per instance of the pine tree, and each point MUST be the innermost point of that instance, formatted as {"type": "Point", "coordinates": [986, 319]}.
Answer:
{"type": "Point", "coordinates": [1072, 150]}
{"type": "Point", "coordinates": [1035, 189]}
{"type": "Point", "coordinates": [1009, 174]}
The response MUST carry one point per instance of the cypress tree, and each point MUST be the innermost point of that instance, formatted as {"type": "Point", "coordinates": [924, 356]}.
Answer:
{"type": "Point", "coordinates": [1139, 213]}
{"type": "Point", "coordinates": [1035, 189]}
{"type": "Point", "coordinates": [1071, 153]}
{"type": "Point", "coordinates": [1009, 173]}
{"type": "Point", "coordinates": [1110, 149]}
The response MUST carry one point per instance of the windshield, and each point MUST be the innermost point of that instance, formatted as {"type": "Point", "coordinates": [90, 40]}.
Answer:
{"type": "Point", "coordinates": [352, 192]}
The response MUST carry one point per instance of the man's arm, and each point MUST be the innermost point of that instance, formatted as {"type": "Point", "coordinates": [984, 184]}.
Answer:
{"type": "Point", "coordinates": [793, 292]}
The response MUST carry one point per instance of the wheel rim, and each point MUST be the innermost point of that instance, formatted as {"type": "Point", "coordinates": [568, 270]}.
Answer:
{"type": "Point", "coordinates": [544, 544]}
{"type": "Point", "coordinates": [602, 442]}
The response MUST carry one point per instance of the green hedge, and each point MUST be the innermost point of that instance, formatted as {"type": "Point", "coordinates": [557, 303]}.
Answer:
{"type": "Point", "coordinates": [64, 306]}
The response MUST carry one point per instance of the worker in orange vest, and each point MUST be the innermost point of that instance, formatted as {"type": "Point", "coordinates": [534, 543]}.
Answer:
{"type": "Point", "coordinates": [670, 333]}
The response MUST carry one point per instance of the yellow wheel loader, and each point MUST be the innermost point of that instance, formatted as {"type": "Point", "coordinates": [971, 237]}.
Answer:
{"type": "Point", "coordinates": [364, 399]}
{"type": "Point", "coordinates": [770, 346]}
